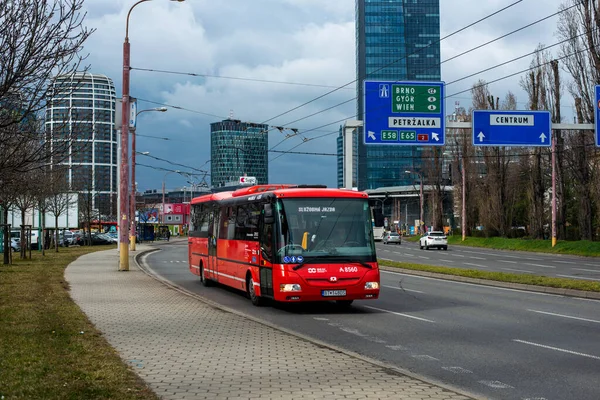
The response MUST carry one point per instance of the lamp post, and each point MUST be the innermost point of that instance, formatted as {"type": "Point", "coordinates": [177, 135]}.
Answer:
{"type": "Point", "coordinates": [420, 197]}
{"type": "Point", "coordinates": [163, 194]}
{"type": "Point", "coordinates": [132, 232]}
{"type": "Point", "coordinates": [123, 173]}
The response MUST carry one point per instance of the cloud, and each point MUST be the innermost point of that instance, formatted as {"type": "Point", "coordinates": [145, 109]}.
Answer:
{"type": "Point", "coordinates": [306, 42]}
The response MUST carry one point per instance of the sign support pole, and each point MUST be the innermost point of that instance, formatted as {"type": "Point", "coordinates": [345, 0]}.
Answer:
{"type": "Point", "coordinates": [553, 190]}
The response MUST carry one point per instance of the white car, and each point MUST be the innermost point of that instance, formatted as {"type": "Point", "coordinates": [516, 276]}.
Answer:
{"type": "Point", "coordinates": [434, 239]}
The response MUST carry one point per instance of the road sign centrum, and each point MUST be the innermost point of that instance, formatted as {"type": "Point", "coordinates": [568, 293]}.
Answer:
{"type": "Point", "coordinates": [512, 128]}
{"type": "Point", "coordinates": [404, 113]}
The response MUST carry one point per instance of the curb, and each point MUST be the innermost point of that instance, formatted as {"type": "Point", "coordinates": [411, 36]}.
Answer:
{"type": "Point", "coordinates": [485, 282]}
{"type": "Point", "coordinates": [388, 367]}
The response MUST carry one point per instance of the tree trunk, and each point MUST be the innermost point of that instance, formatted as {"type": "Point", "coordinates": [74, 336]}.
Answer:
{"type": "Point", "coordinates": [6, 237]}
{"type": "Point", "coordinates": [56, 233]}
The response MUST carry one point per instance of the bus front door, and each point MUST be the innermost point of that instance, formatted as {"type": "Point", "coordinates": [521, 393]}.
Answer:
{"type": "Point", "coordinates": [213, 234]}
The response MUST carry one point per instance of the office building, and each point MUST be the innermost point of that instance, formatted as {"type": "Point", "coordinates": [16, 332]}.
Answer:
{"type": "Point", "coordinates": [340, 159]}
{"type": "Point", "coordinates": [82, 110]}
{"type": "Point", "coordinates": [238, 149]}
{"type": "Point", "coordinates": [396, 40]}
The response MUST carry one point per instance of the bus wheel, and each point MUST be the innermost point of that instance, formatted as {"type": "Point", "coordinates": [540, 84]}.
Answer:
{"type": "Point", "coordinates": [256, 300]}
{"type": "Point", "coordinates": [205, 281]}
{"type": "Point", "coordinates": [344, 303]}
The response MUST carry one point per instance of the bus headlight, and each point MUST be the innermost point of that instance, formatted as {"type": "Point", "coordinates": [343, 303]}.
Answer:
{"type": "Point", "coordinates": [290, 287]}
{"type": "Point", "coordinates": [371, 285]}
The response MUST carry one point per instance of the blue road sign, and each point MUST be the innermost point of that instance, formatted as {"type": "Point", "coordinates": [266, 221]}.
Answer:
{"type": "Point", "coordinates": [597, 116]}
{"type": "Point", "coordinates": [404, 113]}
{"type": "Point", "coordinates": [512, 128]}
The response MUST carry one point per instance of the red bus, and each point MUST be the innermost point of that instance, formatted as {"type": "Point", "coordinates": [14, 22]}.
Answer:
{"type": "Point", "coordinates": [287, 243]}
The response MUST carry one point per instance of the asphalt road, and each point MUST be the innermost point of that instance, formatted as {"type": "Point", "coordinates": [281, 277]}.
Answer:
{"type": "Point", "coordinates": [561, 266]}
{"type": "Point", "coordinates": [497, 343]}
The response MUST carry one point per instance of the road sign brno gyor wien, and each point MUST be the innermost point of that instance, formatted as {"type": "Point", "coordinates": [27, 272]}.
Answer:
{"type": "Point", "coordinates": [404, 113]}
{"type": "Point", "coordinates": [512, 128]}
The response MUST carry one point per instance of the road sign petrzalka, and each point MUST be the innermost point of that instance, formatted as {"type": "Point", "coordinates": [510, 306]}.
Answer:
{"type": "Point", "coordinates": [404, 113]}
{"type": "Point", "coordinates": [512, 128]}
{"type": "Point", "coordinates": [597, 116]}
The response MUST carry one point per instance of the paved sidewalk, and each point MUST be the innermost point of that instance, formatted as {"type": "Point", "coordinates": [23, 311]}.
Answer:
{"type": "Point", "coordinates": [185, 348]}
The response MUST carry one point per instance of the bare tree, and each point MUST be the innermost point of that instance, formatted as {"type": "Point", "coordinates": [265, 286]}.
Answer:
{"type": "Point", "coordinates": [24, 201]}
{"type": "Point", "coordinates": [57, 202]}
{"type": "Point", "coordinates": [579, 26]}
{"type": "Point", "coordinates": [40, 41]}
{"type": "Point", "coordinates": [7, 196]}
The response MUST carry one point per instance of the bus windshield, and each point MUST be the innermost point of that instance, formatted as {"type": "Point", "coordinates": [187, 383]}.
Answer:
{"type": "Point", "coordinates": [325, 228]}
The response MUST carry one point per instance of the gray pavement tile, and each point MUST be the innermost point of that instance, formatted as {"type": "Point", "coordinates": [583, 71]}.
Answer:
{"type": "Point", "coordinates": [156, 330]}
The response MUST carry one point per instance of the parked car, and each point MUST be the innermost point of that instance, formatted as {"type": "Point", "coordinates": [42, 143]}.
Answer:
{"type": "Point", "coordinates": [98, 239]}
{"type": "Point", "coordinates": [392, 237]}
{"type": "Point", "coordinates": [434, 239]}
{"type": "Point", "coordinates": [15, 244]}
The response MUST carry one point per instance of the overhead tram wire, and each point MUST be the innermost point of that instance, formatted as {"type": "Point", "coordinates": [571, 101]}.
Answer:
{"type": "Point", "coordinates": [172, 163]}
{"type": "Point", "coordinates": [372, 72]}
{"type": "Point", "coordinates": [471, 75]}
{"type": "Point", "coordinates": [235, 78]}
{"type": "Point", "coordinates": [397, 60]}
{"type": "Point", "coordinates": [459, 55]}
{"type": "Point", "coordinates": [446, 97]}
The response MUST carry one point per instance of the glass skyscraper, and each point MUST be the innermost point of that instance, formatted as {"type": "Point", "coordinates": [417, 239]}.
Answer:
{"type": "Point", "coordinates": [238, 149]}
{"type": "Point", "coordinates": [396, 40]}
{"type": "Point", "coordinates": [82, 110]}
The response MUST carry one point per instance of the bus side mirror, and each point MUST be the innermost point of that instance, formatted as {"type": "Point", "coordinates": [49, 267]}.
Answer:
{"type": "Point", "coordinates": [268, 214]}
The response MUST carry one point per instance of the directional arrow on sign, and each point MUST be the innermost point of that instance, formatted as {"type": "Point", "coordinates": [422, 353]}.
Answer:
{"type": "Point", "coordinates": [435, 136]}
{"type": "Point", "coordinates": [481, 136]}
{"type": "Point", "coordinates": [543, 137]}
{"type": "Point", "coordinates": [371, 135]}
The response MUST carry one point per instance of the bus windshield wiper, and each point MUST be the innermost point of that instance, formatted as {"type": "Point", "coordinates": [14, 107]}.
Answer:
{"type": "Point", "coordinates": [302, 264]}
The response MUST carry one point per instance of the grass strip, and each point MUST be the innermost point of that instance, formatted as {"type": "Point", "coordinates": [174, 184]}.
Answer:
{"type": "Point", "coordinates": [48, 347]}
{"type": "Point", "coordinates": [526, 279]}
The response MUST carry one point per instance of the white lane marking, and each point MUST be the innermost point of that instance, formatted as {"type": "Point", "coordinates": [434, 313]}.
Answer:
{"type": "Point", "coordinates": [476, 265]}
{"type": "Point", "coordinates": [425, 258]}
{"type": "Point", "coordinates": [557, 349]}
{"type": "Point", "coordinates": [353, 331]}
{"type": "Point", "coordinates": [517, 270]}
{"type": "Point", "coordinates": [321, 319]}
{"type": "Point", "coordinates": [587, 270]}
{"type": "Point", "coordinates": [457, 370]}
{"type": "Point", "coordinates": [565, 262]}
{"type": "Point", "coordinates": [425, 357]}
{"type": "Point", "coordinates": [540, 265]}
{"type": "Point", "coordinates": [400, 288]}
{"type": "Point", "coordinates": [487, 287]}
{"type": "Point", "coordinates": [507, 256]}
{"type": "Point", "coordinates": [592, 265]}
{"type": "Point", "coordinates": [477, 258]}
{"type": "Point", "coordinates": [506, 261]}
{"type": "Point", "coordinates": [457, 255]}
{"type": "Point", "coordinates": [450, 261]}
{"type": "Point", "coordinates": [397, 347]}
{"type": "Point", "coordinates": [533, 259]}
{"type": "Point", "coordinates": [578, 277]}
{"type": "Point", "coordinates": [564, 316]}
{"type": "Point", "coordinates": [496, 384]}
{"type": "Point", "coordinates": [401, 314]}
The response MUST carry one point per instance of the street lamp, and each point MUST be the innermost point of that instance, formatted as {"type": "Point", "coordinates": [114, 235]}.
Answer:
{"type": "Point", "coordinates": [420, 197]}
{"type": "Point", "coordinates": [163, 193]}
{"type": "Point", "coordinates": [132, 232]}
{"type": "Point", "coordinates": [123, 173]}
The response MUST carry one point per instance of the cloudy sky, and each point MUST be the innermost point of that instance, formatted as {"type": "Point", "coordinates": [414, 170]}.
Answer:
{"type": "Point", "coordinates": [222, 53]}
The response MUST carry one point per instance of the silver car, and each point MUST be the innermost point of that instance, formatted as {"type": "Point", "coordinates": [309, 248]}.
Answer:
{"type": "Point", "coordinates": [392, 237]}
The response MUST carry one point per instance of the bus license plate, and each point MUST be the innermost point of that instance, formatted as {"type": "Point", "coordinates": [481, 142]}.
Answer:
{"type": "Point", "coordinates": [333, 293]}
